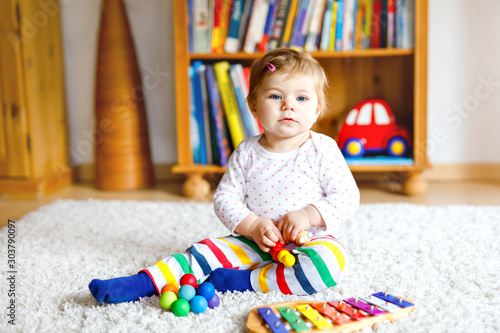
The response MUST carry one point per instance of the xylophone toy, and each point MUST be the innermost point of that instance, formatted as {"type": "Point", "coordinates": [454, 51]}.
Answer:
{"type": "Point", "coordinates": [348, 315]}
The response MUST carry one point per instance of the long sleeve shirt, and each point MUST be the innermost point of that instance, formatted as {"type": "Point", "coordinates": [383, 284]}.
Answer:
{"type": "Point", "coordinates": [272, 184]}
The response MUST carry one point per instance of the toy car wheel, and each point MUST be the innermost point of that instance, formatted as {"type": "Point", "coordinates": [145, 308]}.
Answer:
{"type": "Point", "coordinates": [354, 148]}
{"type": "Point", "coordinates": [397, 147]}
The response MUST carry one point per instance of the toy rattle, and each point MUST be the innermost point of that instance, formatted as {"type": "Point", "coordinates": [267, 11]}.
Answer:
{"type": "Point", "coordinates": [282, 255]}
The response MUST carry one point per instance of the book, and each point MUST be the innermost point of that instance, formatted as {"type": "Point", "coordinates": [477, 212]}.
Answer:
{"type": "Point", "coordinates": [221, 69]}
{"type": "Point", "coordinates": [232, 43]}
{"type": "Point", "coordinates": [359, 26]}
{"type": "Point", "coordinates": [326, 29]}
{"type": "Point", "coordinates": [375, 24]}
{"type": "Point", "coordinates": [315, 23]}
{"type": "Point", "coordinates": [200, 112]}
{"type": "Point", "coordinates": [348, 28]}
{"type": "Point", "coordinates": [241, 93]}
{"type": "Point", "coordinates": [339, 25]}
{"type": "Point", "coordinates": [298, 25]}
{"type": "Point", "coordinates": [256, 25]}
{"type": "Point", "coordinates": [262, 45]}
{"type": "Point", "coordinates": [225, 17]}
{"type": "Point", "coordinates": [194, 133]}
{"type": "Point", "coordinates": [201, 26]}
{"type": "Point", "coordinates": [331, 46]}
{"type": "Point", "coordinates": [391, 16]}
{"type": "Point", "coordinates": [366, 35]}
{"type": "Point", "coordinates": [216, 33]}
{"type": "Point", "coordinates": [279, 23]}
{"type": "Point", "coordinates": [285, 38]}
{"type": "Point", "coordinates": [190, 26]}
{"type": "Point", "coordinates": [383, 24]}
{"type": "Point", "coordinates": [247, 11]}
{"type": "Point", "coordinates": [222, 140]}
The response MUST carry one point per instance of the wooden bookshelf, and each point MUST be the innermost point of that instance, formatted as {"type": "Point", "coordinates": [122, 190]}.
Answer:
{"type": "Point", "coordinates": [397, 75]}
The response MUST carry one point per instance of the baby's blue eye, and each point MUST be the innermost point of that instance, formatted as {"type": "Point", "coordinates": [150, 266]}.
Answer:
{"type": "Point", "coordinates": [301, 98]}
{"type": "Point", "coordinates": [275, 97]}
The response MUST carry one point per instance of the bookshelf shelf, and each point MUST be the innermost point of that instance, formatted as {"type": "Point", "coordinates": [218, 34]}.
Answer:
{"type": "Point", "coordinates": [398, 75]}
{"type": "Point", "coordinates": [317, 55]}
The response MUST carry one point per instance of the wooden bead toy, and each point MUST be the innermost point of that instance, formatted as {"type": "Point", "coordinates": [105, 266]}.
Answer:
{"type": "Point", "coordinates": [303, 237]}
{"type": "Point", "coordinates": [198, 304]}
{"type": "Point", "coordinates": [181, 307]}
{"type": "Point", "coordinates": [347, 315]}
{"type": "Point", "coordinates": [169, 287]}
{"type": "Point", "coordinates": [187, 292]}
{"type": "Point", "coordinates": [213, 302]}
{"type": "Point", "coordinates": [206, 289]}
{"type": "Point", "coordinates": [188, 279]}
{"type": "Point", "coordinates": [167, 298]}
{"type": "Point", "coordinates": [282, 255]}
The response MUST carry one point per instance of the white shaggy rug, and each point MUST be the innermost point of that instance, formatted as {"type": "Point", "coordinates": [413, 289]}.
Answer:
{"type": "Point", "coordinates": [446, 259]}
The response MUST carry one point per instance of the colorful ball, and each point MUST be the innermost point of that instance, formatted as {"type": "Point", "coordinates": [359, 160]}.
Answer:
{"type": "Point", "coordinates": [213, 302]}
{"type": "Point", "coordinates": [181, 307]}
{"type": "Point", "coordinates": [188, 279]}
{"type": "Point", "coordinates": [187, 292]}
{"type": "Point", "coordinates": [167, 298]}
{"type": "Point", "coordinates": [206, 289]}
{"type": "Point", "coordinates": [169, 287]}
{"type": "Point", "coordinates": [198, 304]}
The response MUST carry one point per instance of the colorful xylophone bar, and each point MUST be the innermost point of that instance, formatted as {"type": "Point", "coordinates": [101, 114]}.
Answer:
{"type": "Point", "coordinates": [335, 316]}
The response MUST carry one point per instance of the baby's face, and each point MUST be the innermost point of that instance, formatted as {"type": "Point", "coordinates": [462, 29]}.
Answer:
{"type": "Point", "coordinates": [287, 106]}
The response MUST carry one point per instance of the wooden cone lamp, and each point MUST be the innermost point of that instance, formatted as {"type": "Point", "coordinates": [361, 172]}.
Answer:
{"type": "Point", "coordinates": [123, 158]}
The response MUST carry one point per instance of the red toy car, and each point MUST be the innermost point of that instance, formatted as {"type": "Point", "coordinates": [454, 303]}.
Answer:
{"type": "Point", "coordinates": [371, 127]}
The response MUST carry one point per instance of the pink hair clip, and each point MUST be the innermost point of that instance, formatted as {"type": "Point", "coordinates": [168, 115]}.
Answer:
{"type": "Point", "coordinates": [271, 67]}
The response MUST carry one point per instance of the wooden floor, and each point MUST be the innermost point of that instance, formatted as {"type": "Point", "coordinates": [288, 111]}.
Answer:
{"type": "Point", "coordinates": [469, 193]}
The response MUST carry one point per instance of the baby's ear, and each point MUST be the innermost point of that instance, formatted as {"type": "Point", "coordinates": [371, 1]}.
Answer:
{"type": "Point", "coordinates": [251, 105]}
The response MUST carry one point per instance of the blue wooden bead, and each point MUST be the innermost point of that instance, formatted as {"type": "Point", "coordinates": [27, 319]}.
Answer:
{"type": "Point", "coordinates": [206, 289]}
{"type": "Point", "coordinates": [198, 304]}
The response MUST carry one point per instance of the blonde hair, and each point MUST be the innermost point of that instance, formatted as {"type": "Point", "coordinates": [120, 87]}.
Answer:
{"type": "Point", "coordinates": [292, 62]}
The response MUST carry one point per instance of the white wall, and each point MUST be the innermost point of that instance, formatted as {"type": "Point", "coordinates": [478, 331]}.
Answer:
{"type": "Point", "coordinates": [464, 53]}
{"type": "Point", "coordinates": [152, 29]}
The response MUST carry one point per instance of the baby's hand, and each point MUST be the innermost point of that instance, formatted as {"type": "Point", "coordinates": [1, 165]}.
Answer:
{"type": "Point", "coordinates": [292, 223]}
{"type": "Point", "coordinates": [265, 234]}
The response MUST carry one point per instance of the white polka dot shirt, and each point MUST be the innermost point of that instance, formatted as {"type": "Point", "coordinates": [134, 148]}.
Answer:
{"type": "Point", "coordinates": [272, 184]}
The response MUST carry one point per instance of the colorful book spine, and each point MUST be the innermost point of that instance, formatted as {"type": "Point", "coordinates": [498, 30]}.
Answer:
{"type": "Point", "coordinates": [391, 15]}
{"type": "Point", "coordinates": [199, 72]}
{"type": "Point", "coordinates": [262, 46]}
{"type": "Point", "coordinates": [229, 102]}
{"type": "Point", "coordinates": [339, 25]}
{"type": "Point", "coordinates": [285, 40]}
{"type": "Point", "coordinates": [247, 11]}
{"type": "Point", "coordinates": [383, 24]}
{"type": "Point", "coordinates": [331, 46]}
{"type": "Point", "coordinates": [241, 93]}
{"type": "Point", "coordinates": [312, 38]}
{"type": "Point", "coordinates": [232, 43]}
{"type": "Point", "coordinates": [256, 25]}
{"type": "Point", "coordinates": [298, 25]}
{"type": "Point", "coordinates": [216, 33]}
{"type": "Point", "coordinates": [221, 136]}
{"type": "Point", "coordinates": [279, 23]}
{"type": "Point", "coordinates": [326, 30]}
{"type": "Point", "coordinates": [225, 17]}
{"type": "Point", "coordinates": [367, 24]}
{"type": "Point", "coordinates": [190, 26]}
{"type": "Point", "coordinates": [375, 26]}
{"type": "Point", "coordinates": [201, 26]}
{"type": "Point", "coordinates": [194, 133]}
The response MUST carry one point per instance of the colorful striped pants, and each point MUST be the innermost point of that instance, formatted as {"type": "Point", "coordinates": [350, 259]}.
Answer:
{"type": "Point", "coordinates": [319, 264]}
